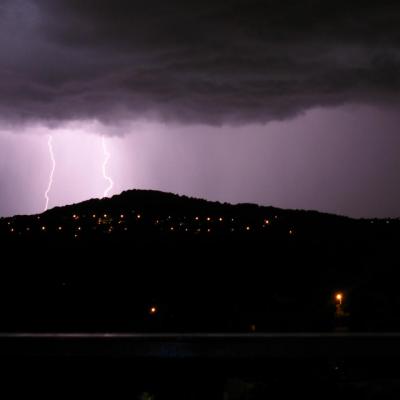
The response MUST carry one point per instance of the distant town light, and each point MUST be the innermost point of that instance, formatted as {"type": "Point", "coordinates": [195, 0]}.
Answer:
{"type": "Point", "coordinates": [208, 219]}
{"type": "Point", "coordinates": [43, 228]}
{"type": "Point", "coordinates": [266, 222]}
{"type": "Point", "coordinates": [122, 216]}
{"type": "Point", "coordinates": [153, 310]}
{"type": "Point", "coordinates": [139, 216]}
{"type": "Point", "coordinates": [94, 216]}
{"type": "Point", "coordinates": [220, 219]}
{"type": "Point", "coordinates": [339, 297]}
{"type": "Point", "coordinates": [197, 218]}
{"type": "Point", "coordinates": [105, 215]}
{"type": "Point", "coordinates": [60, 228]}
{"type": "Point", "coordinates": [247, 228]}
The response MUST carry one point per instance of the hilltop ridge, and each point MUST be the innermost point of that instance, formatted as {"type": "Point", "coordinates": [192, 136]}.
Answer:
{"type": "Point", "coordinates": [166, 212]}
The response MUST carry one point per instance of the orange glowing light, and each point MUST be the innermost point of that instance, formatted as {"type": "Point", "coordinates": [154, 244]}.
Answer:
{"type": "Point", "coordinates": [339, 298]}
{"type": "Point", "coordinates": [153, 310]}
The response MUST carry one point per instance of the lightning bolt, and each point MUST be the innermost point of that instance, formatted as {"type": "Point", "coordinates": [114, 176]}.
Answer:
{"type": "Point", "coordinates": [53, 167]}
{"type": "Point", "coordinates": [107, 156]}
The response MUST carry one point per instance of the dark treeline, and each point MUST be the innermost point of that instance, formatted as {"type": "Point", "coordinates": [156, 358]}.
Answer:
{"type": "Point", "coordinates": [152, 261]}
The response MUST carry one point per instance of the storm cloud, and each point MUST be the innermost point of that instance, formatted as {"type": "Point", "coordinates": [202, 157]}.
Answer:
{"type": "Point", "coordinates": [209, 62]}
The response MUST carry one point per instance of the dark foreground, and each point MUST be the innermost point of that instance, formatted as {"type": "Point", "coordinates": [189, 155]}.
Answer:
{"type": "Point", "coordinates": [102, 265]}
{"type": "Point", "coordinates": [217, 366]}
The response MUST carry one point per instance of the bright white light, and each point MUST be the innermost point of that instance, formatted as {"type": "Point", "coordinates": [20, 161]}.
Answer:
{"type": "Point", "coordinates": [107, 156]}
{"type": "Point", "coordinates": [53, 167]}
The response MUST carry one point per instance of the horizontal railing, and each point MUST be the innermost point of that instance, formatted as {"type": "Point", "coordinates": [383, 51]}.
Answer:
{"type": "Point", "coordinates": [201, 346]}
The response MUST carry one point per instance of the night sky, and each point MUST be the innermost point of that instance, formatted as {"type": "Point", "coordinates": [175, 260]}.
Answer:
{"type": "Point", "coordinates": [286, 103]}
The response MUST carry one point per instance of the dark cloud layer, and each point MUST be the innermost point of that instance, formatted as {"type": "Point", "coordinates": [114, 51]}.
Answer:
{"type": "Point", "coordinates": [210, 61]}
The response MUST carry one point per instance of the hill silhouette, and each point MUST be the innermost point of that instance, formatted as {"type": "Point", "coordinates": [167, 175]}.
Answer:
{"type": "Point", "coordinates": [154, 261]}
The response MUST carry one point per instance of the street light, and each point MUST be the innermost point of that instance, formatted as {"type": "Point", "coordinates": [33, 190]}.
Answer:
{"type": "Point", "coordinates": [341, 315]}
{"type": "Point", "coordinates": [153, 310]}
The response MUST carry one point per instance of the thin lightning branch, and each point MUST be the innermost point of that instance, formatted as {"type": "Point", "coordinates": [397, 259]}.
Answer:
{"type": "Point", "coordinates": [107, 156]}
{"type": "Point", "coordinates": [53, 167]}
